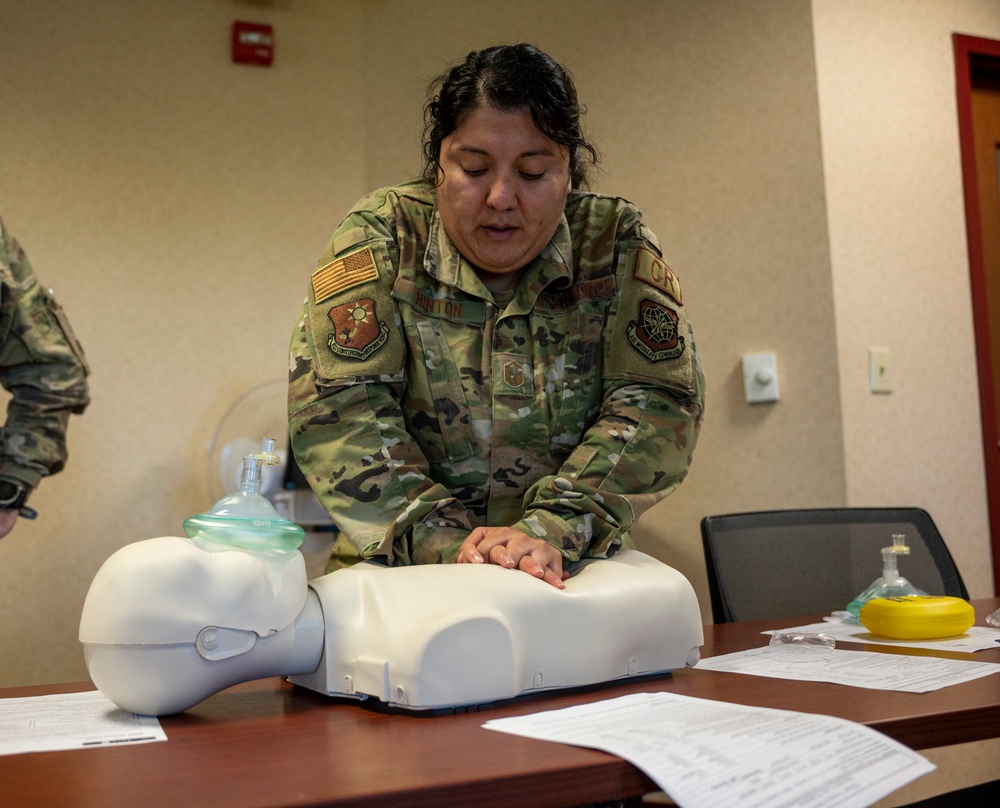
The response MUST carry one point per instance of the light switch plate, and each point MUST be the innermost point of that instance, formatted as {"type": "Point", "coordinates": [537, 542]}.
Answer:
{"type": "Point", "coordinates": [760, 377]}
{"type": "Point", "coordinates": [879, 370]}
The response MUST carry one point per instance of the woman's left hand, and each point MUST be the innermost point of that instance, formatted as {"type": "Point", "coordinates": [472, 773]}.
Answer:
{"type": "Point", "coordinates": [513, 549]}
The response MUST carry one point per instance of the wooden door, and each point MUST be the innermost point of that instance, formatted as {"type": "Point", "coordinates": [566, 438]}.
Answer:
{"type": "Point", "coordinates": [977, 71]}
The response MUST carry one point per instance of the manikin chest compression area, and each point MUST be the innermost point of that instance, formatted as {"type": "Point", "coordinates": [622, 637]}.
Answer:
{"type": "Point", "coordinates": [170, 621]}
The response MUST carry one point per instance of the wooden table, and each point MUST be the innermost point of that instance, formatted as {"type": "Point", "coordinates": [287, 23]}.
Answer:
{"type": "Point", "coordinates": [268, 743]}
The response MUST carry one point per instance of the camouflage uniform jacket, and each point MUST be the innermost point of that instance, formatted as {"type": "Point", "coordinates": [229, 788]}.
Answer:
{"type": "Point", "coordinates": [420, 407]}
{"type": "Point", "coordinates": [41, 365]}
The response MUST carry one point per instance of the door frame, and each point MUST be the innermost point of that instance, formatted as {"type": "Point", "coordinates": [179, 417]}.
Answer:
{"type": "Point", "coordinates": [976, 56]}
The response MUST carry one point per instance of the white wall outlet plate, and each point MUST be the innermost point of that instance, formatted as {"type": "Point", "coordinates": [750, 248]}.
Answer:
{"type": "Point", "coordinates": [760, 377]}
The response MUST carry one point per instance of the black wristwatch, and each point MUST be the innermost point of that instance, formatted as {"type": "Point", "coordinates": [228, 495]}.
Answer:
{"type": "Point", "coordinates": [13, 496]}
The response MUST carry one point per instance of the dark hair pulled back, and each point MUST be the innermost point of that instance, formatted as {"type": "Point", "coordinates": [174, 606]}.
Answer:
{"type": "Point", "coordinates": [509, 78]}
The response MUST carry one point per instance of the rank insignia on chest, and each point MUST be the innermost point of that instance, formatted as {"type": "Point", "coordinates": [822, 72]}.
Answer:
{"type": "Point", "coordinates": [513, 374]}
{"type": "Point", "coordinates": [354, 268]}
{"type": "Point", "coordinates": [654, 333]}
{"type": "Point", "coordinates": [357, 331]}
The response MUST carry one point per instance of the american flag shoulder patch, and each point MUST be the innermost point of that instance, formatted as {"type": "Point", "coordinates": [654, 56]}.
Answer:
{"type": "Point", "coordinates": [343, 273]}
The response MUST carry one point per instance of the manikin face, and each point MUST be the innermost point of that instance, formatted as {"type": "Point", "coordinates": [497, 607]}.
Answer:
{"type": "Point", "coordinates": [502, 186]}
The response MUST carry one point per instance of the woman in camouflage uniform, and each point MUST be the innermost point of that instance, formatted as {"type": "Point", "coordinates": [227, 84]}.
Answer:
{"type": "Point", "coordinates": [492, 364]}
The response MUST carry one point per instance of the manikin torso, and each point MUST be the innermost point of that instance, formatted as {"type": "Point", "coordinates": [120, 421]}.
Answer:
{"type": "Point", "coordinates": [170, 621]}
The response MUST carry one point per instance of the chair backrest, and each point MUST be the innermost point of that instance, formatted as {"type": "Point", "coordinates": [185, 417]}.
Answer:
{"type": "Point", "coordinates": [800, 562]}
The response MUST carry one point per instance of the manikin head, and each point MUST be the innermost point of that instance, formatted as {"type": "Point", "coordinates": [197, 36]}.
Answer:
{"type": "Point", "coordinates": [169, 621]}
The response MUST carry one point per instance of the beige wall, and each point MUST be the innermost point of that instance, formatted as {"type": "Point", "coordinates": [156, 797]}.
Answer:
{"type": "Point", "coordinates": [886, 85]}
{"type": "Point", "coordinates": [898, 249]}
{"type": "Point", "coordinates": [177, 202]}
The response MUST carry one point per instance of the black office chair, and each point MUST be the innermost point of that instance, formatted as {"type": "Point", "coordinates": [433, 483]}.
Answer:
{"type": "Point", "coordinates": [814, 561]}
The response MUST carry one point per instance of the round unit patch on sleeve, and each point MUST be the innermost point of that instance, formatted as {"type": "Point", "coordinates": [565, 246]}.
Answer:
{"type": "Point", "coordinates": [654, 332]}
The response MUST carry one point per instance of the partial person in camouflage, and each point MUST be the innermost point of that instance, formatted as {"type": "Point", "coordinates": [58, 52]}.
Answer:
{"type": "Point", "coordinates": [493, 365]}
{"type": "Point", "coordinates": [43, 368]}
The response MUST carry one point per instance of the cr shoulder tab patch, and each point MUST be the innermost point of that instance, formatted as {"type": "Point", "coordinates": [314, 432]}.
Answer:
{"type": "Point", "coordinates": [344, 273]}
{"type": "Point", "coordinates": [655, 335]}
{"type": "Point", "coordinates": [357, 331]}
{"type": "Point", "coordinates": [655, 272]}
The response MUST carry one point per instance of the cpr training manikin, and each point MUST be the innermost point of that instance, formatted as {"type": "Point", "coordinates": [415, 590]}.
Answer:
{"type": "Point", "coordinates": [170, 621]}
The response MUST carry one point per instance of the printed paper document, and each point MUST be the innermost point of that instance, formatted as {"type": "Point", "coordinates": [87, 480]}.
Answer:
{"type": "Point", "coordinates": [710, 754]}
{"type": "Point", "coordinates": [977, 638]}
{"type": "Point", "coordinates": [71, 721]}
{"type": "Point", "coordinates": [910, 674]}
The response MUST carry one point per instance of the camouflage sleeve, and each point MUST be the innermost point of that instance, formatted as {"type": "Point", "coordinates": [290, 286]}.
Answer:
{"type": "Point", "coordinates": [639, 447]}
{"type": "Point", "coordinates": [42, 366]}
{"type": "Point", "coordinates": [346, 422]}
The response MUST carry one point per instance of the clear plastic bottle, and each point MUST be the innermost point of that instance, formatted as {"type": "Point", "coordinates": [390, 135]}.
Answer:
{"type": "Point", "coordinates": [246, 518]}
{"type": "Point", "coordinates": [891, 583]}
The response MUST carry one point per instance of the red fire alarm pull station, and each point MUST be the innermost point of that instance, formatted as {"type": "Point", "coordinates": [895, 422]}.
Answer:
{"type": "Point", "coordinates": [253, 43]}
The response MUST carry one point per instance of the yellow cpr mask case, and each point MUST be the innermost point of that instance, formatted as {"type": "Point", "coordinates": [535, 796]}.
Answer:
{"type": "Point", "coordinates": [916, 617]}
